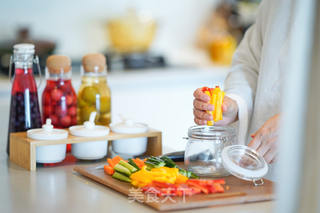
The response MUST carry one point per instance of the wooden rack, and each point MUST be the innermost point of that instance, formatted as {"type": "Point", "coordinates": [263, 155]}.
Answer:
{"type": "Point", "coordinates": [23, 149]}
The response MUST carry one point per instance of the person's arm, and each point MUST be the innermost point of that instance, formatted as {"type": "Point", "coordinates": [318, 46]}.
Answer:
{"type": "Point", "coordinates": [240, 84]}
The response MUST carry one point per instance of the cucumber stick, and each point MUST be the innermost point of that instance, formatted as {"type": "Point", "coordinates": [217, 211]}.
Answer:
{"type": "Point", "coordinates": [122, 169]}
{"type": "Point", "coordinates": [121, 177]}
{"type": "Point", "coordinates": [152, 165]}
{"type": "Point", "coordinates": [128, 166]}
{"type": "Point", "coordinates": [132, 163]}
{"type": "Point", "coordinates": [169, 163]}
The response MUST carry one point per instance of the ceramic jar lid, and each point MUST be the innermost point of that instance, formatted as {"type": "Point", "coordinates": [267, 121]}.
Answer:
{"type": "Point", "coordinates": [89, 129]}
{"type": "Point", "coordinates": [47, 132]}
{"type": "Point", "coordinates": [129, 127]}
{"type": "Point", "coordinates": [244, 163]}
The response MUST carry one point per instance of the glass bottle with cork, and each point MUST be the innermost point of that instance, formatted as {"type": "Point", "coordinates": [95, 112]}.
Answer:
{"type": "Point", "coordinates": [24, 105]}
{"type": "Point", "coordinates": [94, 93]}
{"type": "Point", "coordinates": [59, 99]}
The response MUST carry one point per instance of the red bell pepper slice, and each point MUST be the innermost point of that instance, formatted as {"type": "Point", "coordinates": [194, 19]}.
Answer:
{"type": "Point", "coordinates": [205, 89]}
{"type": "Point", "coordinates": [220, 181]}
{"type": "Point", "coordinates": [219, 188]}
{"type": "Point", "coordinates": [196, 185]}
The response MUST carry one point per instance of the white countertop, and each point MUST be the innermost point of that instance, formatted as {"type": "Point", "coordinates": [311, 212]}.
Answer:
{"type": "Point", "coordinates": [59, 189]}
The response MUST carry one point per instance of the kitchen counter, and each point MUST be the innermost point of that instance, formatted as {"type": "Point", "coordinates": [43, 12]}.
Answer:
{"type": "Point", "coordinates": [59, 189]}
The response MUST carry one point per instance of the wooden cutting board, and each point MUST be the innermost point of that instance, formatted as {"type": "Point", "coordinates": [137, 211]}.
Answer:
{"type": "Point", "coordinates": [239, 192]}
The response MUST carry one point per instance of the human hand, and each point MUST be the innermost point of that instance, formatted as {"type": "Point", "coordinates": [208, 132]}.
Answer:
{"type": "Point", "coordinates": [266, 138]}
{"type": "Point", "coordinates": [201, 106]}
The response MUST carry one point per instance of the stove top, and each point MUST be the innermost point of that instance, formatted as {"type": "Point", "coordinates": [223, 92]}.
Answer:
{"type": "Point", "coordinates": [130, 61]}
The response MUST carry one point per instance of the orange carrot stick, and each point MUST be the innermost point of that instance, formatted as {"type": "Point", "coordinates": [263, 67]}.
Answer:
{"type": "Point", "coordinates": [108, 169]}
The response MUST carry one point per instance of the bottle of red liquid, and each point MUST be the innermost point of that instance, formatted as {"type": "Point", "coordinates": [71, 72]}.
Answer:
{"type": "Point", "coordinates": [24, 106]}
{"type": "Point", "coordinates": [59, 100]}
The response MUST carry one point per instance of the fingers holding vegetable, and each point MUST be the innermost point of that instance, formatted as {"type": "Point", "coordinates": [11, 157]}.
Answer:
{"type": "Point", "coordinates": [201, 96]}
{"type": "Point", "coordinates": [230, 112]}
{"type": "Point", "coordinates": [204, 106]}
{"type": "Point", "coordinates": [208, 105]}
{"type": "Point", "coordinates": [201, 106]}
{"type": "Point", "coordinates": [202, 115]}
{"type": "Point", "coordinates": [211, 107]}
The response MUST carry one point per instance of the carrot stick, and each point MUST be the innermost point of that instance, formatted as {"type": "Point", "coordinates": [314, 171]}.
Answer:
{"type": "Point", "coordinates": [116, 160]}
{"type": "Point", "coordinates": [108, 169]}
{"type": "Point", "coordinates": [111, 163]}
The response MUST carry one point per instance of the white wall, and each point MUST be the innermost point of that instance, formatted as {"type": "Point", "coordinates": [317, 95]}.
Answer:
{"type": "Point", "coordinates": [161, 98]}
{"type": "Point", "coordinates": [79, 25]}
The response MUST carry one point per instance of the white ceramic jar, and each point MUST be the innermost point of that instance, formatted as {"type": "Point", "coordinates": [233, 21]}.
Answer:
{"type": "Point", "coordinates": [91, 150]}
{"type": "Point", "coordinates": [132, 146]}
{"type": "Point", "coordinates": [49, 153]}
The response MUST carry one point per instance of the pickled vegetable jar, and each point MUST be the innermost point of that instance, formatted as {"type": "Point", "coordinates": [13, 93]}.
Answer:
{"type": "Point", "coordinates": [59, 100]}
{"type": "Point", "coordinates": [94, 93]}
{"type": "Point", "coordinates": [204, 149]}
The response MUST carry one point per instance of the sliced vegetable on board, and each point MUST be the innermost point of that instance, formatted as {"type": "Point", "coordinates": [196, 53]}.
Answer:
{"type": "Point", "coordinates": [162, 176]}
{"type": "Point", "coordinates": [108, 169]}
{"type": "Point", "coordinates": [121, 177]}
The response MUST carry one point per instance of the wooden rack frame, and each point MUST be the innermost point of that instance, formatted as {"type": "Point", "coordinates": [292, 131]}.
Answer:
{"type": "Point", "coordinates": [23, 149]}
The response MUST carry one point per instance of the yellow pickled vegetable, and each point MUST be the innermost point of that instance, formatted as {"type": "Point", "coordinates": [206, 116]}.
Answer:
{"type": "Point", "coordinates": [161, 174]}
{"type": "Point", "coordinates": [210, 123]}
{"type": "Point", "coordinates": [216, 99]}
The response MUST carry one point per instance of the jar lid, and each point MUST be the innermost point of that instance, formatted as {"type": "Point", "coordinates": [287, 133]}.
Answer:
{"type": "Point", "coordinates": [47, 132]}
{"type": "Point", "coordinates": [58, 64]}
{"type": "Point", "coordinates": [89, 129]}
{"type": "Point", "coordinates": [23, 48]}
{"type": "Point", "coordinates": [244, 162]}
{"type": "Point", "coordinates": [210, 132]}
{"type": "Point", "coordinates": [94, 63]}
{"type": "Point", "coordinates": [129, 127]}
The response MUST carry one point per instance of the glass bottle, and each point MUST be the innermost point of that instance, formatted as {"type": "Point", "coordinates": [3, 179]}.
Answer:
{"type": "Point", "coordinates": [24, 106]}
{"type": "Point", "coordinates": [94, 93]}
{"type": "Point", "coordinates": [59, 99]}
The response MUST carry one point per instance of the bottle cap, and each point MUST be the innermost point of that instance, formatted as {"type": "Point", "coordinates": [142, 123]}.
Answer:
{"type": "Point", "coordinates": [244, 163]}
{"type": "Point", "coordinates": [128, 126]}
{"type": "Point", "coordinates": [23, 48]}
{"type": "Point", "coordinates": [89, 129]}
{"type": "Point", "coordinates": [47, 132]}
{"type": "Point", "coordinates": [58, 64]}
{"type": "Point", "coordinates": [94, 62]}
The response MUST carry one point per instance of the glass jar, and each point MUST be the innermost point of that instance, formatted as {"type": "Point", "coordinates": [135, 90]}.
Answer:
{"type": "Point", "coordinates": [59, 100]}
{"type": "Point", "coordinates": [24, 106]}
{"type": "Point", "coordinates": [204, 148]}
{"type": "Point", "coordinates": [94, 94]}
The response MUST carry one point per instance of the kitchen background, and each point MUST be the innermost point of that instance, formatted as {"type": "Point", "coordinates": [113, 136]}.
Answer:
{"type": "Point", "coordinates": [191, 45]}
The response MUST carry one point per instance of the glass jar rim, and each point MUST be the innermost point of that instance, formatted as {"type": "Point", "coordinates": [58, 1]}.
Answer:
{"type": "Point", "coordinates": [210, 132]}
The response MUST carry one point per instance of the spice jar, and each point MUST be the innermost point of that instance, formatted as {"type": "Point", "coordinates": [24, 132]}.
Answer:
{"type": "Point", "coordinates": [59, 100]}
{"type": "Point", "coordinates": [129, 147]}
{"type": "Point", "coordinates": [90, 150]}
{"type": "Point", "coordinates": [204, 148]}
{"type": "Point", "coordinates": [50, 153]}
{"type": "Point", "coordinates": [94, 93]}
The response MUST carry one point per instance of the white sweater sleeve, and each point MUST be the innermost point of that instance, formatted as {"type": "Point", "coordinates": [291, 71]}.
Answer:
{"type": "Point", "coordinates": [241, 82]}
